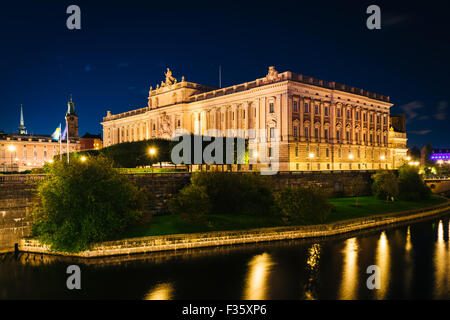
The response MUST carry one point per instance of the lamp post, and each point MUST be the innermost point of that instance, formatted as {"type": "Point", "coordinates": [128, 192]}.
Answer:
{"type": "Point", "coordinates": [311, 156]}
{"type": "Point", "coordinates": [152, 152]}
{"type": "Point", "coordinates": [11, 149]}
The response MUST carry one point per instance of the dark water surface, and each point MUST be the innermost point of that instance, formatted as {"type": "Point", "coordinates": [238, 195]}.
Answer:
{"type": "Point", "coordinates": [414, 263]}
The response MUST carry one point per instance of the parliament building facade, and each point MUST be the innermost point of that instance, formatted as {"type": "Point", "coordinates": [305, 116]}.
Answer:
{"type": "Point", "coordinates": [315, 124]}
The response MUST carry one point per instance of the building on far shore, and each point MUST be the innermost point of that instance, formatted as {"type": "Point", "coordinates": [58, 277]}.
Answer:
{"type": "Point", "coordinates": [91, 142]}
{"type": "Point", "coordinates": [314, 124]}
{"type": "Point", "coordinates": [23, 151]}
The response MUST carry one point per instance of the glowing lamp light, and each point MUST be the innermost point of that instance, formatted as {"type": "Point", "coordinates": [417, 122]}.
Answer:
{"type": "Point", "coordinates": [311, 155]}
{"type": "Point", "coordinates": [11, 148]}
{"type": "Point", "coordinates": [440, 161]}
{"type": "Point", "coordinates": [408, 158]}
{"type": "Point", "coordinates": [83, 158]}
{"type": "Point", "coordinates": [152, 151]}
{"type": "Point", "coordinates": [29, 164]}
{"type": "Point", "coordinates": [382, 157]}
{"type": "Point", "coordinates": [255, 154]}
{"type": "Point", "coordinates": [50, 161]}
{"type": "Point", "coordinates": [350, 156]}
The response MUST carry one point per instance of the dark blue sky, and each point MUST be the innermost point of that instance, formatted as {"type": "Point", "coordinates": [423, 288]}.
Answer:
{"type": "Point", "coordinates": [124, 48]}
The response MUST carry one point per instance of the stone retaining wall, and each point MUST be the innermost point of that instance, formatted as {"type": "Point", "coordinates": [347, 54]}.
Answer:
{"type": "Point", "coordinates": [220, 238]}
{"type": "Point", "coordinates": [17, 192]}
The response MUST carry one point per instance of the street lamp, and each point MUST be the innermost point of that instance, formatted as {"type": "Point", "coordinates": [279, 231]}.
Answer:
{"type": "Point", "coordinates": [11, 149]}
{"type": "Point", "coordinates": [383, 157]}
{"type": "Point", "coordinates": [83, 159]}
{"type": "Point", "coordinates": [311, 156]}
{"type": "Point", "coordinates": [152, 152]}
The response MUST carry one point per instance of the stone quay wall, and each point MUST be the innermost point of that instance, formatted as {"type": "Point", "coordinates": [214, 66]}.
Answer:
{"type": "Point", "coordinates": [223, 238]}
{"type": "Point", "coordinates": [17, 194]}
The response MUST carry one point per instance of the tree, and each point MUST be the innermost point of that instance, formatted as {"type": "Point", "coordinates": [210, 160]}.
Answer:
{"type": "Point", "coordinates": [385, 185]}
{"type": "Point", "coordinates": [192, 204]}
{"type": "Point", "coordinates": [411, 186]}
{"type": "Point", "coordinates": [304, 205]}
{"type": "Point", "coordinates": [414, 153]}
{"type": "Point", "coordinates": [357, 187]}
{"type": "Point", "coordinates": [428, 149]}
{"type": "Point", "coordinates": [84, 202]}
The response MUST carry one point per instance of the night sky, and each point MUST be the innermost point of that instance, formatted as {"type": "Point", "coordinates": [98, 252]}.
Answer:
{"type": "Point", "coordinates": [124, 47]}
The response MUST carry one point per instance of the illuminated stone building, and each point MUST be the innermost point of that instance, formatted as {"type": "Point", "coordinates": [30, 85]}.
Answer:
{"type": "Point", "coordinates": [315, 124]}
{"type": "Point", "coordinates": [23, 151]}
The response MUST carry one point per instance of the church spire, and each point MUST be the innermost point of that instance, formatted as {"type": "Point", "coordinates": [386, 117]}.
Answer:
{"type": "Point", "coordinates": [22, 128]}
{"type": "Point", "coordinates": [70, 107]}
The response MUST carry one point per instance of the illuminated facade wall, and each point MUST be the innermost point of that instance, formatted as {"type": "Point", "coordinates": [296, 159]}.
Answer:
{"type": "Point", "coordinates": [316, 124]}
{"type": "Point", "coordinates": [24, 152]}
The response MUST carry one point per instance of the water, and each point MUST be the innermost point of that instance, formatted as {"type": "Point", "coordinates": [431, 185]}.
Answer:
{"type": "Point", "coordinates": [414, 263]}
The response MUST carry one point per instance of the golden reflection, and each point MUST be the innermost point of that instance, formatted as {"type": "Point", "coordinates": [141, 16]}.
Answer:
{"type": "Point", "coordinates": [383, 262]}
{"type": "Point", "coordinates": [441, 261]}
{"type": "Point", "coordinates": [162, 291]}
{"type": "Point", "coordinates": [312, 268]}
{"type": "Point", "coordinates": [256, 281]}
{"type": "Point", "coordinates": [408, 245]}
{"type": "Point", "coordinates": [348, 289]}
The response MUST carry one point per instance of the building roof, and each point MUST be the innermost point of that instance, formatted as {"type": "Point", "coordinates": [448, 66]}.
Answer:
{"type": "Point", "coordinates": [87, 135]}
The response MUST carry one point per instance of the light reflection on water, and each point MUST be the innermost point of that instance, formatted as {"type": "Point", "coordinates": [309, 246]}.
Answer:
{"type": "Point", "coordinates": [162, 291]}
{"type": "Point", "coordinates": [256, 281]}
{"type": "Point", "coordinates": [414, 262]}
{"type": "Point", "coordinates": [350, 276]}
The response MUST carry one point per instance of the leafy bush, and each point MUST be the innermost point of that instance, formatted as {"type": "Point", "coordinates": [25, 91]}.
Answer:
{"type": "Point", "coordinates": [191, 204]}
{"type": "Point", "coordinates": [411, 185]}
{"type": "Point", "coordinates": [223, 193]}
{"type": "Point", "coordinates": [304, 205]}
{"type": "Point", "coordinates": [234, 193]}
{"type": "Point", "coordinates": [84, 202]}
{"type": "Point", "coordinates": [385, 185]}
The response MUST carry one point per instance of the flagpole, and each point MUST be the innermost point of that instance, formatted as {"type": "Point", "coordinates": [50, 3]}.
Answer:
{"type": "Point", "coordinates": [67, 135]}
{"type": "Point", "coordinates": [60, 145]}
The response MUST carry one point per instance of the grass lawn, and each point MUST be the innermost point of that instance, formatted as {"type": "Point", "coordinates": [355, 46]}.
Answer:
{"type": "Point", "coordinates": [367, 206]}
{"type": "Point", "coordinates": [344, 209]}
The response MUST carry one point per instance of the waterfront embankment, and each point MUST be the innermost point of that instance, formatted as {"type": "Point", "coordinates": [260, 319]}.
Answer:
{"type": "Point", "coordinates": [224, 238]}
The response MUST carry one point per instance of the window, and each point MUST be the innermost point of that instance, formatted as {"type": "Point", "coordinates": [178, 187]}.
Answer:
{"type": "Point", "coordinates": [271, 108]}
{"type": "Point", "coordinates": [316, 133]}
{"type": "Point", "coordinates": [297, 166]}
{"type": "Point", "coordinates": [338, 112]}
{"type": "Point", "coordinates": [295, 131]}
{"type": "Point", "coordinates": [296, 151]}
{"type": "Point", "coordinates": [316, 109]}
{"type": "Point", "coordinates": [340, 153]}
{"type": "Point", "coordinates": [295, 106]}
{"type": "Point", "coordinates": [255, 112]}
{"type": "Point", "coordinates": [179, 122]}
{"type": "Point", "coordinates": [357, 137]}
{"type": "Point", "coordinates": [243, 114]}
{"type": "Point", "coordinates": [364, 117]}
{"type": "Point", "coordinates": [349, 114]}
{"type": "Point", "coordinates": [371, 118]}
{"type": "Point", "coordinates": [270, 151]}
{"type": "Point", "coordinates": [326, 111]}
{"type": "Point", "coordinates": [306, 132]}
{"type": "Point", "coordinates": [328, 166]}
{"type": "Point", "coordinates": [25, 154]}
{"type": "Point", "coordinates": [318, 152]}
{"type": "Point", "coordinates": [371, 138]}
{"type": "Point", "coordinates": [327, 152]}
{"type": "Point", "coordinates": [364, 137]}
{"type": "Point", "coordinates": [384, 140]}
{"type": "Point", "coordinates": [306, 108]}
{"type": "Point", "coordinates": [272, 133]}
{"type": "Point", "coordinates": [357, 115]}
{"type": "Point", "coordinates": [326, 134]}
{"type": "Point", "coordinates": [338, 135]}
{"type": "Point", "coordinates": [348, 136]}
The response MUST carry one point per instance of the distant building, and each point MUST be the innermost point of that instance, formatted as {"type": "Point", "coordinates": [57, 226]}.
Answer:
{"type": "Point", "coordinates": [22, 151]}
{"type": "Point", "coordinates": [91, 142]}
{"type": "Point", "coordinates": [441, 155]}
{"type": "Point", "coordinates": [311, 124]}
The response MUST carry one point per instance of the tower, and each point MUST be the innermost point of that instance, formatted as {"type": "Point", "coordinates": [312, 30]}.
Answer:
{"type": "Point", "coordinates": [22, 128]}
{"type": "Point", "coordinates": [72, 119]}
